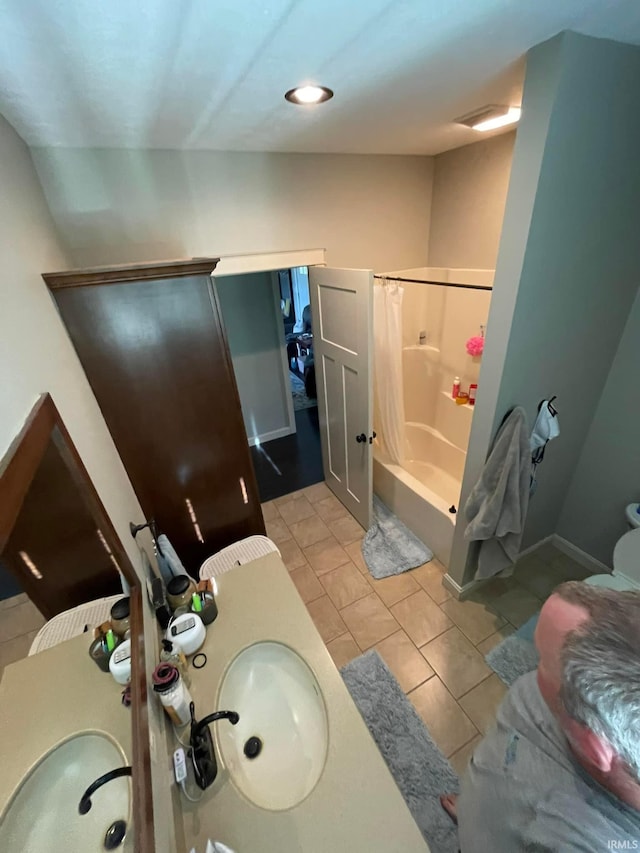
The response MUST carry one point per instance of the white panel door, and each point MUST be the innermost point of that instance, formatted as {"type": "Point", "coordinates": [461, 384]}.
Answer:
{"type": "Point", "coordinates": [342, 312]}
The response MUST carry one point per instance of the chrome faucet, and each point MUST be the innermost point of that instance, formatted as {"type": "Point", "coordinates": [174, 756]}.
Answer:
{"type": "Point", "coordinates": [85, 801]}
{"type": "Point", "coordinates": [205, 766]}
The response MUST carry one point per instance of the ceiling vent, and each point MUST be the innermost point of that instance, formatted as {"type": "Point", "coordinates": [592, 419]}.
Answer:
{"type": "Point", "coordinates": [490, 117]}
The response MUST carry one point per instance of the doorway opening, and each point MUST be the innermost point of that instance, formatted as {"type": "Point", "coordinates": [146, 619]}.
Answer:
{"type": "Point", "coordinates": [267, 317]}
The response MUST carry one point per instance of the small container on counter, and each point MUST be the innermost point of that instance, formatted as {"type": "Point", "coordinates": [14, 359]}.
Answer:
{"type": "Point", "coordinates": [187, 633]}
{"type": "Point", "coordinates": [208, 609]}
{"type": "Point", "coordinates": [120, 663]}
{"type": "Point", "coordinates": [455, 391]}
{"type": "Point", "coordinates": [179, 591]}
{"type": "Point", "coordinates": [120, 618]}
{"type": "Point", "coordinates": [473, 390]}
{"type": "Point", "coordinates": [174, 694]}
{"type": "Point", "coordinates": [99, 654]}
{"type": "Point", "coordinates": [462, 399]}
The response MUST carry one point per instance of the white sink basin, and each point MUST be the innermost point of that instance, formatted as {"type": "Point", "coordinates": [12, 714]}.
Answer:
{"type": "Point", "coordinates": [279, 701]}
{"type": "Point", "coordinates": [43, 813]}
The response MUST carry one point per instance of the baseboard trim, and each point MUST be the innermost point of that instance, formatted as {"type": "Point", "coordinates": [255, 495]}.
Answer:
{"type": "Point", "coordinates": [269, 436]}
{"type": "Point", "coordinates": [579, 555]}
{"type": "Point", "coordinates": [533, 548]}
{"type": "Point", "coordinates": [454, 587]}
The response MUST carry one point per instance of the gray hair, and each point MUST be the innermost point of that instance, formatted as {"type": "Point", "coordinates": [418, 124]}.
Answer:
{"type": "Point", "coordinates": [601, 668]}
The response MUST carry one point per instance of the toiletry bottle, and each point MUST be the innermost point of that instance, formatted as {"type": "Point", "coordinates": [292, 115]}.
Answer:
{"type": "Point", "coordinates": [173, 693]}
{"type": "Point", "coordinates": [456, 387]}
{"type": "Point", "coordinates": [473, 388]}
{"type": "Point", "coordinates": [171, 654]}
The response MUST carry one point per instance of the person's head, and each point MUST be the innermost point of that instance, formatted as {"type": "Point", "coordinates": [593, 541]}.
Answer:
{"type": "Point", "coordinates": [588, 639]}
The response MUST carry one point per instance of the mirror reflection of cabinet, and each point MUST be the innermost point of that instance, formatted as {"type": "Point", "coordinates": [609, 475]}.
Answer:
{"type": "Point", "coordinates": [60, 546]}
{"type": "Point", "coordinates": [152, 342]}
{"type": "Point", "coordinates": [56, 551]}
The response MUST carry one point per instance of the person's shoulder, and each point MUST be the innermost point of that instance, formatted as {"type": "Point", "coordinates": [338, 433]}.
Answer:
{"type": "Point", "coordinates": [573, 823]}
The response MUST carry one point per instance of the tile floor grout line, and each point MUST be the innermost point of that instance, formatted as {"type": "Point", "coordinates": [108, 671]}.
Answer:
{"type": "Point", "coordinates": [482, 681]}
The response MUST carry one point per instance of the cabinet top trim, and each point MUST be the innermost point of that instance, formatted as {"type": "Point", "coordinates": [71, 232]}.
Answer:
{"type": "Point", "coordinates": [130, 272]}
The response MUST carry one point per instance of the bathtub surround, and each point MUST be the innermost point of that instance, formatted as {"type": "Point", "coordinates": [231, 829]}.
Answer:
{"type": "Point", "coordinates": [389, 547]}
{"type": "Point", "coordinates": [424, 489]}
{"type": "Point", "coordinates": [420, 770]}
{"type": "Point", "coordinates": [566, 274]}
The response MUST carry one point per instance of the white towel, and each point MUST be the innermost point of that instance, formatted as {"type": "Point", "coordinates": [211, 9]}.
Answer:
{"type": "Point", "coordinates": [497, 506]}
{"type": "Point", "coordinates": [545, 428]}
{"type": "Point", "coordinates": [171, 558]}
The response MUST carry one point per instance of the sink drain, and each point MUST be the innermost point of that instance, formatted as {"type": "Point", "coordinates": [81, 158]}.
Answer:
{"type": "Point", "coordinates": [253, 747]}
{"type": "Point", "coordinates": [114, 836]}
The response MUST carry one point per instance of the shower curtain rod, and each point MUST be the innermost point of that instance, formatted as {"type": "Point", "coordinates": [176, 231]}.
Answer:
{"type": "Point", "coordinates": [440, 283]}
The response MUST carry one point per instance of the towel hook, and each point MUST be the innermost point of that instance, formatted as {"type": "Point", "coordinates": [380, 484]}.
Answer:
{"type": "Point", "coordinates": [136, 528]}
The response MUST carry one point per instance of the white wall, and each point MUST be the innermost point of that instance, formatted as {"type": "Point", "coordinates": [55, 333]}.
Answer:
{"type": "Point", "coordinates": [567, 266]}
{"type": "Point", "coordinates": [607, 476]}
{"type": "Point", "coordinates": [254, 332]}
{"type": "Point", "coordinates": [467, 207]}
{"type": "Point", "coordinates": [114, 206]}
{"type": "Point", "coordinates": [36, 355]}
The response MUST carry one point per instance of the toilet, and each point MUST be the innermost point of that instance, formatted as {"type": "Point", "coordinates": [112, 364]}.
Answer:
{"type": "Point", "coordinates": [626, 557]}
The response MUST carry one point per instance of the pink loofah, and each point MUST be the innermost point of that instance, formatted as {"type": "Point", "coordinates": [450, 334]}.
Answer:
{"type": "Point", "coordinates": [475, 345]}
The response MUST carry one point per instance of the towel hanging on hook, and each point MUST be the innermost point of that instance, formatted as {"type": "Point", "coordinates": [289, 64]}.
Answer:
{"type": "Point", "coordinates": [546, 428]}
{"type": "Point", "coordinates": [169, 563]}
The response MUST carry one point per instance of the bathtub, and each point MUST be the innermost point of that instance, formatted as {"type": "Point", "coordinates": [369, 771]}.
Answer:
{"type": "Point", "coordinates": [422, 491]}
{"type": "Point", "coordinates": [436, 323]}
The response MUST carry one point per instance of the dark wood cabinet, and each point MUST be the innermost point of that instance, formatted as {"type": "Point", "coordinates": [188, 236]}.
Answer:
{"type": "Point", "coordinates": [152, 343]}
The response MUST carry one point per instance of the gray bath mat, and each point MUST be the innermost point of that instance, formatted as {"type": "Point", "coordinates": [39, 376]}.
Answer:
{"type": "Point", "coordinates": [420, 770]}
{"type": "Point", "coordinates": [516, 655]}
{"type": "Point", "coordinates": [389, 547]}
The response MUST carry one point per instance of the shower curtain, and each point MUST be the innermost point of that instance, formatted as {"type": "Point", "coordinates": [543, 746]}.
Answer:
{"type": "Point", "coordinates": [387, 335]}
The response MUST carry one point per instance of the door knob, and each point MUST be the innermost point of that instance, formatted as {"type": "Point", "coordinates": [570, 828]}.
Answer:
{"type": "Point", "coordinates": [360, 438]}
{"type": "Point", "coordinates": [371, 437]}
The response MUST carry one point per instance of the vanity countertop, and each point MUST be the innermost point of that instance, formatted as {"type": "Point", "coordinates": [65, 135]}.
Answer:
{"type": "Point", "coordinates": [49, 697]}
{"type": "Point", "coordinates": [356, 805]}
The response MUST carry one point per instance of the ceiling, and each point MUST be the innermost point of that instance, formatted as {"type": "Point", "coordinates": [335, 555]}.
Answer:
{"type": "Point", "coordinates": [211, 74]}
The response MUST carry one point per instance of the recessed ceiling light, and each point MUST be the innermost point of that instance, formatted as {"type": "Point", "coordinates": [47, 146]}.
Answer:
{"type": "Point", "coordinates": [304, 95]}
{"type": "Point", "coordinates": [490, 117]}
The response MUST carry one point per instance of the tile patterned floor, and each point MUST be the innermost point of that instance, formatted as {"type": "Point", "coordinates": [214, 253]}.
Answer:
{"type": "Point", "coordinates": [20, 621]}
{"type": "Point", "coordinates": [434, 644]}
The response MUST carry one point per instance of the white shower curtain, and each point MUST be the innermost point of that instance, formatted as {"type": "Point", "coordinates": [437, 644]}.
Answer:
{"type": "Point", "coordinates": [387, 334]}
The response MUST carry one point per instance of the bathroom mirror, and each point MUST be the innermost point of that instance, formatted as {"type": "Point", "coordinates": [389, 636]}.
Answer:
{"type": "Point", "coordinates": [59, 548]}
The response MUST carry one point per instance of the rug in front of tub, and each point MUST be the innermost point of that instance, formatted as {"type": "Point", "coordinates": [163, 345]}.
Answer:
{"type": "Point", "coordinates": [420, 770]}
{"type": "Point", "coordinates": [389, 547]}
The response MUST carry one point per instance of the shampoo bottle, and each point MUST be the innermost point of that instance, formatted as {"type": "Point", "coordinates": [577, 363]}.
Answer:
{"type": "Point", "coordinates": [456, 387]}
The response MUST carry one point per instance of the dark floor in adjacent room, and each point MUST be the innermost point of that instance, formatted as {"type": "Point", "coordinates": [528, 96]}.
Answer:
{"type": "Point", "coordinates": [297, 457]}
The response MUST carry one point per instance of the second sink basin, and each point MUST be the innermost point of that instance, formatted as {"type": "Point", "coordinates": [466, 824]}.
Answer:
{"type": "Point", "coordinates": [280, 705]}
{"type": "Point", "coordinates": [43, 813]}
